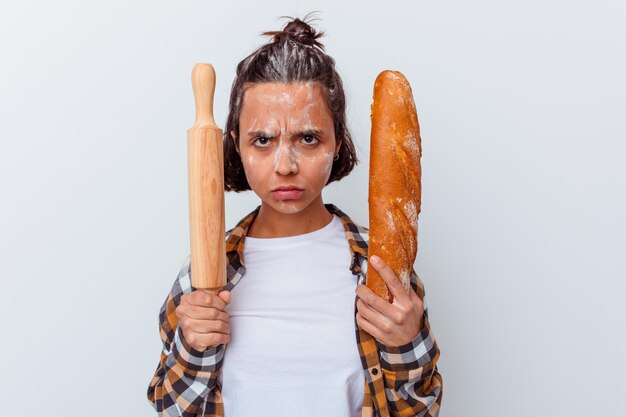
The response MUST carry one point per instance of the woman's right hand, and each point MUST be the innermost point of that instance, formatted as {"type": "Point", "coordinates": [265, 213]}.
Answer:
{"type": "Point", "coordinates": [203, 319]}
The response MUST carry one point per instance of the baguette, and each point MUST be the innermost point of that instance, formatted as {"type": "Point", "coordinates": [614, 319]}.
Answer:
{"type": "Point", "coordinates": [395, 175]}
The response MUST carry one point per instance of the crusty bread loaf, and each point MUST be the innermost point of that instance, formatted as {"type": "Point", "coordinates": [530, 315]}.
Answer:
{"type": "Point", "coordinates": [394, 180]}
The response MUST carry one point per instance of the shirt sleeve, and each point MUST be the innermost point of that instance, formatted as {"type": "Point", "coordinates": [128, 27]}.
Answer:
{"type": "Point", "coordinates": [184, 376]}
{"type": "Point", "coordinates": [413, 384]}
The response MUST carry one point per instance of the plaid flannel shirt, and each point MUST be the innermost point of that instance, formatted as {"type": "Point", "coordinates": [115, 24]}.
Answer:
{"type": "Point", "coordinates": [399, 381]}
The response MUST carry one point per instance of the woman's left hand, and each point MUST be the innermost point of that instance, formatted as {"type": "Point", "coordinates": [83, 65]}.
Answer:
{"type": "Point", "coordinates": [392, 324]}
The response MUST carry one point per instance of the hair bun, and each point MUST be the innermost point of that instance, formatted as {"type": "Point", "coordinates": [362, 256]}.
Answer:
{"type": "Point", "coordinates": [298, 31]}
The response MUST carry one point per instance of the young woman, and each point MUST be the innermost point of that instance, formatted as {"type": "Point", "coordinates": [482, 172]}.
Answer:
{"type": "Point", "coordinates": [294, 332]}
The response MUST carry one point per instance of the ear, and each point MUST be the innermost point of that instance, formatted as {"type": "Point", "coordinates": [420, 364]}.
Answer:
{"type": "Point", "coordinates": [233, 136]}
{"type": "Point", "coordinates": [337, 148]}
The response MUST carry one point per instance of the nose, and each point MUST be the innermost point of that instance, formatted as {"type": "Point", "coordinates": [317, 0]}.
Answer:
{"type": "Point", "coordinates": [286, 161]}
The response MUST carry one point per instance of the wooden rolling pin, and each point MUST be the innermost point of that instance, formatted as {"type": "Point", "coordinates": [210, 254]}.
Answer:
{"type": "Point", "coordinates": [205, 158]}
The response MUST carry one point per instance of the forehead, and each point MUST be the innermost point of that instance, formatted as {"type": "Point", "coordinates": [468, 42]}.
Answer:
{"type": "Point", "coordinates": [267, 98]}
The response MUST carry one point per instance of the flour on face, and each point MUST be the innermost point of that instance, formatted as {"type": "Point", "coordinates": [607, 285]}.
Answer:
{"type": "Point", "coordinates": [285, 147]}
{"type": "Point", "coordinates": [287, 99]}
{"type": "Point", "coordinates": [299, 143]}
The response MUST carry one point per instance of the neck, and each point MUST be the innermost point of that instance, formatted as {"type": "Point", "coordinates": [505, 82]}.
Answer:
{"type": "Point", "coordinates": [270, 223]}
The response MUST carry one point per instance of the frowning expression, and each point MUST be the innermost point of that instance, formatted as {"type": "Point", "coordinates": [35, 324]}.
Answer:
{"type": "Point", "coordinates": [287, 140]}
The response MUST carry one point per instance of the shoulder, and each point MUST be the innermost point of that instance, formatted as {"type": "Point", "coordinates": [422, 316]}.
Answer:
{"type": "Point", "coordinates": [360, 233]}
{"type": "Point", "coordinates": [364, 231]}
{"type": "Point", "coordinates": [350, 223]}
{"type": "Point", "coordinates": [357, 234]}
{"type": "Point", "coordinates": [237, 233]}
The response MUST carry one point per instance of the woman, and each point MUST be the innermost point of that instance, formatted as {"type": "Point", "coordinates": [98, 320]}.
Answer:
{"type": "Point", "coordinates": [290, 325]}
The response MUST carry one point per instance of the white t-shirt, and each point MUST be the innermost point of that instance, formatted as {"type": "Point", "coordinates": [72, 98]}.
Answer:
{"type": "Point", "coordinates": [293, 349]}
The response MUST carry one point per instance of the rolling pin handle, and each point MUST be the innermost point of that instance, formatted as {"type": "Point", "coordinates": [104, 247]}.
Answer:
{"type": "Point", "coordinates": [203, 83]}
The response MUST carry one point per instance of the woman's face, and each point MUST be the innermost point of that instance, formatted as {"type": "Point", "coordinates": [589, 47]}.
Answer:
{"type": "Point", "coordinates": [287, 139]}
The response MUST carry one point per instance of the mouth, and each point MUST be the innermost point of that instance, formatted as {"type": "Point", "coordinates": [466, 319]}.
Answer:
{"type": "Point", "coordinates": [287, 193]}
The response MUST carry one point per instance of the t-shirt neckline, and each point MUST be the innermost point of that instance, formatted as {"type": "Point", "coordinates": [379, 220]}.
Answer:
{"type": "Point", "coordinates": [322, 233]}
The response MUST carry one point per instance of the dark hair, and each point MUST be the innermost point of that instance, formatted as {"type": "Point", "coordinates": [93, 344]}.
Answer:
{"type": "Point", "coordinates": [293, 55]}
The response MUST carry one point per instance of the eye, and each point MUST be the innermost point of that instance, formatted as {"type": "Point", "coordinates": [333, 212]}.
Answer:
{"type": "Point", "coordinates": [261, 142]}
{"type": "Point", "coordinates": [310, 139]}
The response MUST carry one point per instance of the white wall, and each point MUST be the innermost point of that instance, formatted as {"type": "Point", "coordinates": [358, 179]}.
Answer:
{"type": "Point", "coordinates": [522, 107]}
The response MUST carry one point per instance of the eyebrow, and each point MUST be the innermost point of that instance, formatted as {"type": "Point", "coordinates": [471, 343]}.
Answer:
{"type": "Point", "coordinates": [305, 132]}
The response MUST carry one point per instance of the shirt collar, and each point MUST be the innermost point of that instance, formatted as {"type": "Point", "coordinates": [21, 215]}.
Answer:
{"type": "Point", "coordinates": [357, 238]}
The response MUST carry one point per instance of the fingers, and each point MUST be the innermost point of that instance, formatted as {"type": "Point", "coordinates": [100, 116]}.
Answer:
{"type": "Point", "coordinates": [373, 300]}
{"type": "Point", "coordinates": [205, 326]}
{"type": "Point", "coordinates": [395, 327]}
{"type": "Point", "coordinates": [383, 323]}
{"type": "Point", "coordinates": [224, 295]}
{"type": "Point", "coordinates": [391, 279]}
{"type": "Point", "coordinates": [203, 319]}
{"type": "Point", "coordinates": [200, 305]}
{"type": "Point", "coordinates": [202, 298]}
{"type": "Point", "coordinates": [201, 341]}
{"type": "Point", "coordinates": [368, 327]}
{"type": "Point", "coordinates": [201, 334]}
{"type": "Point", "coordinates": [378, 306]}
{"type": "Point", "coordinates": [203, 313]}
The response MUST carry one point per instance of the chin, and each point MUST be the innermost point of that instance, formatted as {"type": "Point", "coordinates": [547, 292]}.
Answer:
{"type": "Point", "coordinates": [286, 206]}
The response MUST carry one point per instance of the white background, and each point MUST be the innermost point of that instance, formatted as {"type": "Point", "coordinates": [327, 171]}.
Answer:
{"type": "Point", "coordinates": [522, 107]}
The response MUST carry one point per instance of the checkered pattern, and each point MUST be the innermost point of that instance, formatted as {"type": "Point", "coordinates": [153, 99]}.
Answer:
{"type": "Point", "coordinates": [400, 380]}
